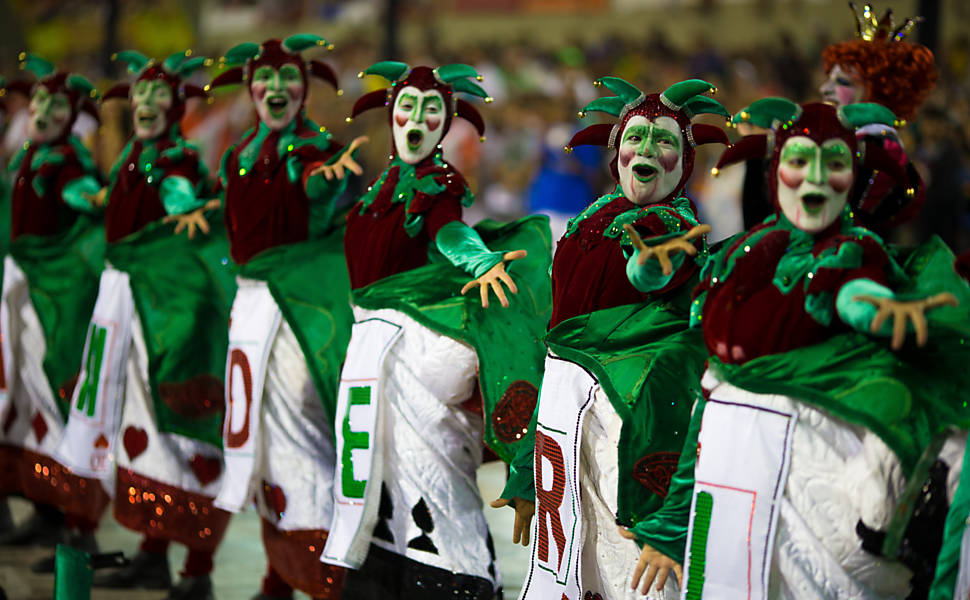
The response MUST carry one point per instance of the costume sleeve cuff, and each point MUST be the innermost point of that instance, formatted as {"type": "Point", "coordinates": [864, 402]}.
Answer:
{"type": "Point", "coordinates": [858, 314]}
{"type": "Point", "coordinates": [75, 191]}
{"type": "Point", "coordinates": [178, 195]}
{"type": "Point", "coordinates": [464, 248]}
{"type": "Point", "coordinates": [521, 484]}
{"type": "Point", "coordinates": [650, 277]}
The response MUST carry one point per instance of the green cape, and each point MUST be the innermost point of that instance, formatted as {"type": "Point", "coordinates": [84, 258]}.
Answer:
{"type": "Point", "coordinates": [649, 363]}
{"type": "Point", "coordinates": [63, 272]}
{"type": "Point", "coordinates": [182, 291]}
{"type": "Point", "coordinates": [310, 284]}
{"type": "Point", "coordinates": [506, 340]}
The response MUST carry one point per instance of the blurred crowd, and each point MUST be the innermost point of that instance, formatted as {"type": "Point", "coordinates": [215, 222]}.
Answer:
{"type": "Point", "coordinates": [521, 167]}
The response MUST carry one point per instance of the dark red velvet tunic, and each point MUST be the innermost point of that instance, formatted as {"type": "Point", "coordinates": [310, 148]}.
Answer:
{"type": "Point", "coordinates": [263, 208]}
{"type": "Point", "coordinates": [48, 214]}
{"type": "Point", "coordinates": [376, 244]}
{"type": "Point", "coordinates": [589, 270]}
{"type": "Point", "coordinates": [747, 316]}
{"type": "Point", "coordinates": [134, 201]}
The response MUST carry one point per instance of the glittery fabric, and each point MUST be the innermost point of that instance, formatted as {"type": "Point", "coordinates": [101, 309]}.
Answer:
{"type": "Point", "coordinates": [36, 424]}
{"type": "Point", "coordinates": [165, 482]}
{"type": "Point", "coordinates": [608, 559]}
{"type": "Point", "coordinates": [298, 551]}
{"type": "Point", "coordinates": [293, 474]}
{"type": "Point", "coordinates": [431, 510]}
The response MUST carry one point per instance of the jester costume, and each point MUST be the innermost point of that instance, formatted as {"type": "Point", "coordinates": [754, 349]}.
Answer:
{"type": "Point", "coordinates": [879, 66]}
{"type": "Point", "coordinates": [50, 274]}
{"type": "Point", "coordinates": [149, 398]}
{"type": "Point", "coordinates": [809, 448]}
{"type": "Point", "coordinates": [290, 317]}
{"type": "Point", "coordinates": [621, 372]}
{"type": "Point", "coordinates": [425, 364]}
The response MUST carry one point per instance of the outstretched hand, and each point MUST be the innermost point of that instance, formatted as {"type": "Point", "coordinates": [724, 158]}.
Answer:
{"type": "Point", "coordinates": [662, 252]}
{"type": "Point", "coordinates": [96, 199]}
{"type": "Point", "coordinates": [524, 511]}
{"type": "Point", "coordinates": [345, 162]}
{"type": "Point", "coordinates": [656, 565]}
{"type": "Point", "coordinates": [900, 311]}
{"type": "Point", "coordinates": [494, 278]}
{"type": "Point", "coordinates": [193, 220]}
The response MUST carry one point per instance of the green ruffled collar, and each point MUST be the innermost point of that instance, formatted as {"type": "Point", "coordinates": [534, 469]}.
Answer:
{"type": "Point", "coordinates": [406, 189]}
{"type": "Point", "coordinates": [52, 154]}
{"type": "Point", "coordinates": [150, 155]}
{"type": "Point", "coordinates": [289, 141]}
{"type": "Point", "coordinates": [798, 265]}
{"type": "Point", "coordinates": [667, 212]}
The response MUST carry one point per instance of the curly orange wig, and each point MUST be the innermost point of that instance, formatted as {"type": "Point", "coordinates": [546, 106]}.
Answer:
{"type": "Point", "coordinates": [898, 75]}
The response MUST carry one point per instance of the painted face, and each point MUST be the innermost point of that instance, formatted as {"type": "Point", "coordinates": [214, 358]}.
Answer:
{"type": "Point", "coordinates": [150, 101]}
{"type": "Point", "coordinates": [49, 115]}
{"type": "Point", "coordinates": [814, 181]}
{"type": "Point", "coordinates": [650, 161]}
{"type": "Point", "coordinates": [843, 86]}
{"type": "Point", "coordinates": [417, 123]}
{"type": "Point", "coordinates": [278, 94]}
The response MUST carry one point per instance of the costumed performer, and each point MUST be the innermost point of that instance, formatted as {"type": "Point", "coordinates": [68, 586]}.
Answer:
{"type": "Point", "coordinates": [290, 318]}
{"type": "Point", "coordinates": [50, 284]}
{"type": "Point", "coordinates": [814, 468]}
{"type": "Point", "coordinates": [425, 364]}
{"type": "Point", "coordinates": [623, 366]}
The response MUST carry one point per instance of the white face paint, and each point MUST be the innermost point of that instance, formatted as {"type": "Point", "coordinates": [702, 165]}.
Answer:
{"type": "Point", "coordinates": [814, 181]}
{"type": "Point", "coordinates": [150, 101]}
{"type": "Point", "coordinates": [417, 123]}
{"type": "Point", "coordinates": [843, 86]}
{"type": "Point", "coordinates": [278, 94]}
{"type": "Point", "coordinates": [49, 115]}
{"type": "Point", "coordinates": [650, 160]}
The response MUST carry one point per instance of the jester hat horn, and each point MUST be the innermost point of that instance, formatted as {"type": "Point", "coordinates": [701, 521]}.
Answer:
{"type": "Point", "coordinates": [82, 94]}
{"type": "Point", "coordinates": [681, 102]}
{"type": "Point", "coordinates": [174, 70]}
{"type": "Point", "coordinates": [446, 79]}
{"type": "Point", "coordinates": [245, 58]}
{"type": "Point", "coordinates": [820, 122]}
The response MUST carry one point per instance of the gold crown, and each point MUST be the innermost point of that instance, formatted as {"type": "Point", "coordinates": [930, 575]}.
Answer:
{"type": "Point", "coordinates": [870, 29]}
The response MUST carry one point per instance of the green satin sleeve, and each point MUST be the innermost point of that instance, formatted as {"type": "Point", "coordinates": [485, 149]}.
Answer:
{"type": "Point", "coordinates": [323, 194]}
{"type": "Point", "coordinates": [650, 277]}
{"type": "Point", "coordinates": [178, 195]}
{"type": "Point", "coordinates": [521, 482]}
{"type": "Point", "coordinates": [858, 314]}
{"type": "Point", "coordinates": [666, 529]}
{"type": "Point", "coordinates": [464, 248]}
{"type": "Point", "coordinates": [75, 190]}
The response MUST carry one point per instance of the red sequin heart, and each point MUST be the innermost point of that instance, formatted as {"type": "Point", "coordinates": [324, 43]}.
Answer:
{"type": "Point", "coordinates": [101, 442]}
{"type": "Point", "coordinates": [136, 440]}
{"type": "Point", "coordinates": [275, 498]}
{"type": "Point", "coordinates": [206, 469]}
{"type": "Point", "coordinates": [40, 427]}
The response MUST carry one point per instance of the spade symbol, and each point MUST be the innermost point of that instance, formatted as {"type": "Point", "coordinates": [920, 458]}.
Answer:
{"type": "Point", "coordinates": [422, 518]}
{"type": "Point", "coordinates": [384, 513]}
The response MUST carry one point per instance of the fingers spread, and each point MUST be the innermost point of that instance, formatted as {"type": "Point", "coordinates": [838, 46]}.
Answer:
{"type": "Point", "coordinates": [665, 265]}
{"type": "Point", "coordinates": [881, 315]}
{"type": "Point", "coordinates": [514, 255]}
{"type": "Point", "coordinates": [635, 237]}
{"type": "Point", "coordinates": [508, 282]}
{"type": "Point", "coordinates": [919, 324]}
{"type": "Point", "coordinates": [899, 330]}
{"type": "Point", "coordinates": [468, 286]}
{"type": "Point", "coordinates": [499, 292]}
{"type": "Point", "coordinates": [483, 289]}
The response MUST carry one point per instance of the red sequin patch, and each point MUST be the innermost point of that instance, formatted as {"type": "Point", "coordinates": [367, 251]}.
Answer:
{"type": "Point", "coordinates": [510, 419]}
{"type": "Point", "coordinates": [168, 512]}
{"type": "Point", "coordinates": [275, 498]}
{"type": "Point", "coordinates": [195, 398]}
{"type": "Point", "coordinates": [295, 556]}
{"type": "Point", "coordinates": [655, 471]}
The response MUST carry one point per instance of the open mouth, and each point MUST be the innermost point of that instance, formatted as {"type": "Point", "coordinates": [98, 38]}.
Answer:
{"type": "Point", "coordinates": [146, 119]}
{"type": "Point", "coordinates": [276, 104]}
{"type": "Point", "coordinates": [644, 172]}
{"type": "Point", "coordinates": [40, 124]}
{"type": "Point", "coordinates": [414, 138]}
{"type": "Point", "coordinates": [813, 203]}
